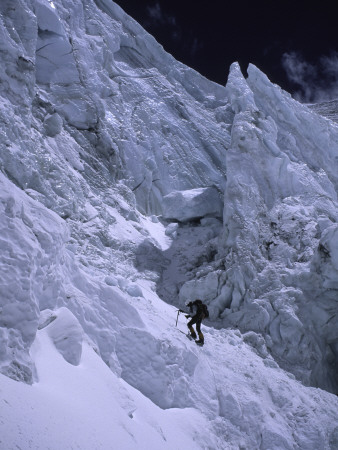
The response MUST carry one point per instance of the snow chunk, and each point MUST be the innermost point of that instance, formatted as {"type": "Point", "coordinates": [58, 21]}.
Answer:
{"type": "Point", "coordinates": [159, 370]}
{"type": "Point", "coordinates": [171, 230]}
{"type": "Point", "coordinates": [47, 18]}
{"type": "Point", "coordinates": [47, 316]}
{"type": "Point", "coordinates": [230, 408]}
{"type": "Point", "coordinates": [134, 290]}
{"type": "Point", "coordinates": [192, 204]}
{"type": "Point", "coordinates": [54, 54]}
{"type": "Point", "coordinates": [111, 281]}
{"type": "Point", "coordinates": [205, 287]}
{"type": "Point", "coordinates": [53, 124]}
{"type": "Point", "coordinates": [67, 335]}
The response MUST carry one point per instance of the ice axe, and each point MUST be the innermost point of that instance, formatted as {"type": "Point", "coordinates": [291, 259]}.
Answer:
{"type": "Point", "coordinates": [178, 313]}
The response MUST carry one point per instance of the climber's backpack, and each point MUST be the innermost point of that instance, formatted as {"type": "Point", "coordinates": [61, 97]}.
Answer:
{"type": "Point", "coordinates": [205, 310]}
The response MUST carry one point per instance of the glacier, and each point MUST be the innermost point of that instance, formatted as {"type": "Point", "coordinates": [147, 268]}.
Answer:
{"type": "Point", "coordinates": [129, 185]}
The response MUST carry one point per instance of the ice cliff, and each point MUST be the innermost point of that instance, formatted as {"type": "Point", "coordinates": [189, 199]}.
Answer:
{"type": "Point", "coordinates": [129, 184]}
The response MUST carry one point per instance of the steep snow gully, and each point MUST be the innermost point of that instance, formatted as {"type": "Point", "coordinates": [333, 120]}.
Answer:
{"type": "Point", "coordinates": [130, 184]}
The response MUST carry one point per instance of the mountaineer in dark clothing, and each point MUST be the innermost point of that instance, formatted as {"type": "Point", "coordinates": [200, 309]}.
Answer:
{"type": "Point", "coordinates": [198, 312]}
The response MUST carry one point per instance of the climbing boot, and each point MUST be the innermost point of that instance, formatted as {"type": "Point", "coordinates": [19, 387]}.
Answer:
{"type": "Point", "coordinates": [201, 339]}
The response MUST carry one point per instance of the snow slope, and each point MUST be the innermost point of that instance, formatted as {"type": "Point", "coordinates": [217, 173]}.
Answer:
{"type": "Point", "coordinates": [129, 184]}
{"type": "Point", "coordinates": [87, 407]}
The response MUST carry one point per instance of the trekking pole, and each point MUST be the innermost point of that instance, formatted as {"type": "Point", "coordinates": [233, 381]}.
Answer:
{"type": "Point", "coordinates": [178, 312]}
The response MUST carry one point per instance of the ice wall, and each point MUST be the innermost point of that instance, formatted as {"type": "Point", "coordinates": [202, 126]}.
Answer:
{"type": "Point", "coordinates": [276, 270]}
{"type": "Point", "coordinates": [97, 124]}
{"type": "Point", "coordinates": [292, 201]}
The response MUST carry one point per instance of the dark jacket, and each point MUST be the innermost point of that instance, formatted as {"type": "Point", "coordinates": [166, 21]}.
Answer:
{"type": "Point", "coordinates": [197, 309]}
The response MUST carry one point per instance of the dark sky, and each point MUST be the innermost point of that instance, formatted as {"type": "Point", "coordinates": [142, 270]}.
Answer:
{"type": "Point", "coordinates": [294, 42]}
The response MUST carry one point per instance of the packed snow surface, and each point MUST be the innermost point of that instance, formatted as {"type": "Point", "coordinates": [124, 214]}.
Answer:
{"type": "Point", "coordinates": [130, 184]}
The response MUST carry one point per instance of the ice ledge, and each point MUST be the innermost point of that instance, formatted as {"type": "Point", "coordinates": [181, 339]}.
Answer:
{"type": "Point", "coordinates": [192, 204]}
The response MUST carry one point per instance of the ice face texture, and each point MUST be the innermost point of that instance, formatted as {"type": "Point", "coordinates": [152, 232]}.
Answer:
{"type": "Point", "coordinates": [192, 204]}
{"type": "Point", "coordinates": [129, 183]}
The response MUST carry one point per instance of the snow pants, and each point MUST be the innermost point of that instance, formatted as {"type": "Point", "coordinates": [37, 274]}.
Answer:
{"type": "Point", "coordinates": [196, 320]}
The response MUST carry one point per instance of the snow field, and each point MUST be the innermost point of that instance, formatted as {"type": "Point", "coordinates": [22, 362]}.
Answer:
{"type": "Point", "coordinates": [87, 406]}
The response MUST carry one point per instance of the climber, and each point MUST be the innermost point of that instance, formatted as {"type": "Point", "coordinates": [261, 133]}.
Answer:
{"type": "Point", "coordinates": [198, 311]}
